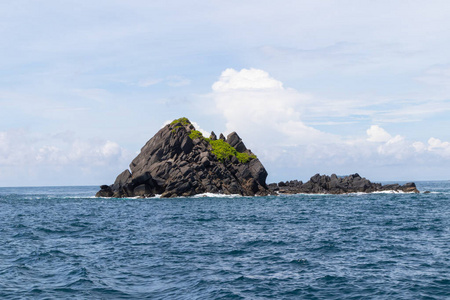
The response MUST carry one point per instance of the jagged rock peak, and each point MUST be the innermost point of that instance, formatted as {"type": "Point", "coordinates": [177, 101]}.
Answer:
{"type": "Point", "coordinates": [179, 161]}
{"type": "Point", "coordinates": [213, 136]}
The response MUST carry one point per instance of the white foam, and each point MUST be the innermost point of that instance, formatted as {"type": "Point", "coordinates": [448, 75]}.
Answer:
{"type": "Point", "coordinates": [158, 196]}
{"type": "Point", "coordinates": [307, 194]}
{"type": "Point", "coordinates": [214, 195]}
{"type": "Point", "coordinates": [392, 192]}
{"type": "Point", "coordinates": [344, 194]}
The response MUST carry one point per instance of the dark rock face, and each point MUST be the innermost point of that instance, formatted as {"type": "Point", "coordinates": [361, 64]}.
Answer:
{"type": "Point", "coordinates": [172, 164]}
{"type": "Point", "coordinates": [105, 191]}
{"type": "Point", "coordinates": [323, 184]}
{"type": "Point", "coordinates": [213, 136]}
{"type": "Point", "coordinates": [235, 141]}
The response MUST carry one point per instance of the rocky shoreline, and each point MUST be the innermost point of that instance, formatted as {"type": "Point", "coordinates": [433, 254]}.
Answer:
{"type": "Point", "coordinates": [180, 161]}
{"type": "Point", "coordinates": [323, 184]}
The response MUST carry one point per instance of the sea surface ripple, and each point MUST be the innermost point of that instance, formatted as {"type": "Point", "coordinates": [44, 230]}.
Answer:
{"type": "Point", "coordinates": [60, 243]}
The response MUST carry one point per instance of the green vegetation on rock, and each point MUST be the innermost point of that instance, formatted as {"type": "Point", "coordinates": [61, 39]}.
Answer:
{"type": "Point", "coordinates": [221, 149]}
{"type": "Point", "coordinates": [184, 121]}
{"type": "Point", "coordinates": [244, 157]}
{"type": "Point", "coordinates": [194, 134]}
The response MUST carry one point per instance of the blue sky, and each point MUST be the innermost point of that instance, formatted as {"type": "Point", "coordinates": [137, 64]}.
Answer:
{"type": "Point", "coordinates": [310, 86]}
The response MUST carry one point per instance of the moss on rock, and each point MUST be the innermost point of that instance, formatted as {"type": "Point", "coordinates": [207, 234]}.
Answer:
{"type": "Point", "coordinates": [194, 134]}
{"type": "Point", "coordinates": [184, 121]}
{"type": "Point", "coordinates": [221, 149]}
{"type": "Point", "coordinates": [245, 157]}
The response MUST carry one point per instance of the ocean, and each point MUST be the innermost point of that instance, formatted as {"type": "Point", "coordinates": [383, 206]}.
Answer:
{"type": "Point", "coordinates": [62, 243]}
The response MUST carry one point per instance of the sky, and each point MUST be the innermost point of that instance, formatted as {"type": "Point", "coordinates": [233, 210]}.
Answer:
{"type": "Point", "coordinates": [330, 86]}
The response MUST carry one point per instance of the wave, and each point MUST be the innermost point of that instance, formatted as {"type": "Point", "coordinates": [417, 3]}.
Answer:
{"type": "Point", "coordinates": [391, 192]}
{"type": "Point", "coordinates": [44, 197]}
{"type": "Point", "coordinates": [213, 195]}
{"type": "Point", "coordinates": [346, 194]}
{"type": "Point", "coordinates": [203, 195]}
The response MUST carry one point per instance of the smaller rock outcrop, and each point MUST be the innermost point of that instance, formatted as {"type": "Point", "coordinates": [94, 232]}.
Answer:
{"type": "Point", "coordinates": [323, 184]}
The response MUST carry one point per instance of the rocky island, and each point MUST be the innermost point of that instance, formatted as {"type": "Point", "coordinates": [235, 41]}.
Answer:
{"type": "Point", "coordinates": [180, 161]}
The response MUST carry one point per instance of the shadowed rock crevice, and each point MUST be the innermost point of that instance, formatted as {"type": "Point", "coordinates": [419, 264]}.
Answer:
{"type": "Point", "coordinates": [179, 161]}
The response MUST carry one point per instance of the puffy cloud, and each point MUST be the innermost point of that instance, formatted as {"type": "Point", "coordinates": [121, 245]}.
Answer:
{"type": "Point", "coordinates": [419, 147]}
{"type": "Point", "coordinates": [246, 79]}
{"type": "Point", "coordinates": [390, 146]}
{"type": "Point", "coordinates": [437, 146]}
{"type": "Point", "coordinates": [377, 134]}
{"type": "Point", "coordinates": [258, 106]}
{"type": "Point", "coordinates": [396, 146]}
{"type": "Point", "coordinates": [400, 148]}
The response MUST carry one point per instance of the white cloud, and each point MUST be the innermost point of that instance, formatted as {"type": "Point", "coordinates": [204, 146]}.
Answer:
{"type": "Point", "coordinates": [258, 106]}
{"type": "Point", "coordinates": [419, 147]}
{"type": "Point", "coordinates": [400, 148]}
{"type": "Point", "coordinates": [390, 146]}
{"type": "Point", "coordinates": [437, 146]}
{"type": "Point", "coordinates": [246, 79]}
{"type": "Point", "coordinates": [396, 147]}
{"type": "Point", "coordinates": [377, 134]}
{"type": "Point", "coordinates": [24, 151]}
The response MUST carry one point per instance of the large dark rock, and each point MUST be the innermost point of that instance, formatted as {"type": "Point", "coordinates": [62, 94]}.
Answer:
{"type": "Point", "coordinates": [105, 191]}
{"type": "Point", "coordinates": [173, 164]}
{"type": "Point", "coordinates": [333, 184]}
{"type": "Point", "coordinates": [235, 141]}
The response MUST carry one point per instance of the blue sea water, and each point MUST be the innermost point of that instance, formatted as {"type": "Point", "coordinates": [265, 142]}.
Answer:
{"type": "Point", "coordinates": [61, 243]}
